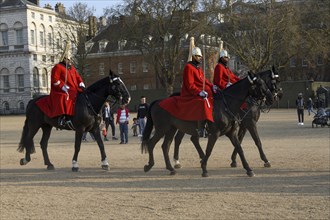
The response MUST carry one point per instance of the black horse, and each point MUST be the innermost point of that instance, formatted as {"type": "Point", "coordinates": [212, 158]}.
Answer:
{"type": "Point", "coordinates": [225, 122]}
{"type": "Point", "coordinates": [86, 119]}
{"type": "Point", "coordinates": [248, 121]}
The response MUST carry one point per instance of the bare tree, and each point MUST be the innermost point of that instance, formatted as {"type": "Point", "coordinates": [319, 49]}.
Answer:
{"type": "Point", "coordinates": [160, 29]}
{"type": "Point", "coordinates": [77, 31]}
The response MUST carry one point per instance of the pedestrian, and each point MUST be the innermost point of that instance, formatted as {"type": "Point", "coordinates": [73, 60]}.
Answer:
{"type": "Point", "coordinates": [135, 126]}
{"type": "Point", "coordinates": [107, 116]}
{"type": "Point", "coordinates": [142, 113]}
{"type": "Point", "coordinates": [123, 120]}
{"type": "Point", "coordinates": [310, 106]}
{"type": "Point", "coordinates": [300, 108]}
{"type": "Point", "coordinates": [66, 83]}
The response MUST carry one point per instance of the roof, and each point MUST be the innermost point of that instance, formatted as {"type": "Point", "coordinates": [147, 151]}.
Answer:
{"type": "Point", "coordinates": [8, 3]}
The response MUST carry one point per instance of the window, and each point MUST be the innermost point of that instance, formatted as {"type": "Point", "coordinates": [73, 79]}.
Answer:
{"type": "Point", "coordinates": [101, 69]}
{"type": "Point", "coordinates": [4, 35]}
{"type": "Point", "coordinates": [35, 57]}
{"type": "Point", "coordinates": [41, 38]}
{"type": "Point", "coordinates": [18, 26]}
{"type": "Point", "coordinates": [121, 44]}
{"type": "Point", "coordinates": [146, 86]}
{"type": "Point", "coordinates": [52, 59]}
{"type": "Point", "coordinates": [32, 36]}
{"type": "Point", "coordinates": [145, 67]}
{"type": "Point", "coordinates": [319, 60]}
{"type": "Point", "coordinates": [20, 79]}
{"type": "Point", "coordinates": [20, 83]}
{"type": "Point", "coordinates": [41, 17]}
{"type": "Point", "coordinates": [132, 67]}
{"type": "Point", "coordinates": [133, 87]}
{"type": "Point", "coordinates": [35, 78]}
{"type": "Point", "coordinates": [33, 15]}
{"type": "Point", "coordinates": [4, 80]}
{"type": "Point", "coordinates": [6, 85]}
{"type": "Point", "coordinates": [58, 45]}
{"type": "Point", "coordinates": [44, 78]}
{"type": "Point", "coordinates": [6, 106]}
{"type": "Point", "coordinates": [120, 68]}
{"type": "Point", "coordinates": [21, 106]}
{"type": "Point", "coordinates": [44, 58]}
{"type": "Point", "coordinates": [50, 39]}
{"type": "Point", "coordinates": [102, 45]}
{"type": "Point", "coordinates": [50, 18]}
{"type": "Point", "coordinates": [304, 62]}
{"type": "Point", "coordinates": [293, 62]}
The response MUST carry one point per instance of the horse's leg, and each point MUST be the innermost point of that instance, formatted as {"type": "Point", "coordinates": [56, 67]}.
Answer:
{"type": "Point", "coordinates": [195, 140]}
{"type": "Point", "coordinates": [212, 138]}
{"type": "Point", "coordinates": [234, 140]}
{"type": "Point", "coordinates": [166, 146]}
{"type": "Point", "coordinates": [177, 141]}
{"type": "Point", "coordinates": [241, 134]}
{"type": "Point", "coordinates": [254, 134]}
{"type": "Point", "coordinates": [46, 130]}
{"type": "Point", "coordinates": [77, 144]}
{"type": "Point", "coordinates": [151, 145]}
{"type": "Point", "coordinates": [104, 160]}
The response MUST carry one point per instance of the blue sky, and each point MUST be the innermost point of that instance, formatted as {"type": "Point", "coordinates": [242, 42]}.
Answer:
{"type": "Point", "coordinates": [97, 4]}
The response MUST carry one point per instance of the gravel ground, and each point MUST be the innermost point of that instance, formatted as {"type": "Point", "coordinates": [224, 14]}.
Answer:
{"type": "Point", "coordinates": [297, 186]}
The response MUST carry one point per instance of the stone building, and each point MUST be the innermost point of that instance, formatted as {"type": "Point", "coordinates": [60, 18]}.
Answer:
{"type": "Point", "coordinates": [31, 39]}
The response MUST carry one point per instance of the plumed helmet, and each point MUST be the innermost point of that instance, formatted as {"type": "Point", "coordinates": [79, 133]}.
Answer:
{"type": "Point", "coordinates": [196, 51]}
{"type": "Point", "coordinates": [66, 52]}
{"type": "Point", "coordinates": [224, 53]}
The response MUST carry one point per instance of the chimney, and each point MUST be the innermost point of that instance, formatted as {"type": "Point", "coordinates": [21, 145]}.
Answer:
{"type": "Point", "coordinates": [59, 8]}
{"type": "Point", "coordinates": [48, 6]}
{"type": "Point", "coordinates": [103, 21]}
{"type": "Point", "coordinates": [92, 24]}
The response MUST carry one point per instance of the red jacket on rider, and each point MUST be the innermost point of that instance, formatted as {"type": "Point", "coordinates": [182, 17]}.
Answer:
{"type": "Point", "coordinates": [60, 102]}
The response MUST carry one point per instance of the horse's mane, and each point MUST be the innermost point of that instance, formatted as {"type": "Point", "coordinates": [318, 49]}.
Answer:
{"type": "Point", "coordinates": [98, 84]}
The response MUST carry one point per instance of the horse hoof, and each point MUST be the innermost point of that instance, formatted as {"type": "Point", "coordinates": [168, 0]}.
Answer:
{"type": "Point", "coordinates": [50, 167]}
{"type": "Point", "coordinates": [105, 167]}
{"type": "Point", "coordinates": [177, 166]}
{"type": "Point", "coordinates": [147, 168]}
{"type": "Point", "coordinates": [173, 173]}
{"type": "Point", "coordinates": [233, 164]}
{"type": "Point", "coordinates": [21, 162]}
{"type": "Point", "coordinates": [75, 169]}
{"type": "Point", "coordinates": [267, 164]}
{"type": "Point", "coordinates": [250, 173]}
{"type": "Point", "coordinates": [205, 175]}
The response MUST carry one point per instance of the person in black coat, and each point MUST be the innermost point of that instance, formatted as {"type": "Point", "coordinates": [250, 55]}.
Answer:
{"type": "Point", "coordinates": [108, 119]}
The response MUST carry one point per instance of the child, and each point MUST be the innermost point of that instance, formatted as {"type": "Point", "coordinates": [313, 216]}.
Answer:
{"type": "Point", "coordinates": [123, 119]}
{"type": "Point", "coordinates": [134, 126]}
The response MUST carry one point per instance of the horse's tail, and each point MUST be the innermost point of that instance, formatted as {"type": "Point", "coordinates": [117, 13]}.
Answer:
{"type": "Point", "coordinates": [147, 129]}
{"type": "Point", "coordinates": [23, 142]}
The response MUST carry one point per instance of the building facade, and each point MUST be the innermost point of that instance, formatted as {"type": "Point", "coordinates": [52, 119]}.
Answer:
{"type": "Point", "coordinates": [31, 39]}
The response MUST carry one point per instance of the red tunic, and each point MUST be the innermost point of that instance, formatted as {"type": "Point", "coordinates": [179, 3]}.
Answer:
{"type": "Point", "coordinates": [58, 102]}
{"type": "Point", "coordinates": [223, 75]}
{"type": "Point", "coordinates": [189, 105]}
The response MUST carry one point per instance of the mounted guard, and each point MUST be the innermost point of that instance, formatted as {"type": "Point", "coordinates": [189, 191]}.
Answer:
{"type": "Point", "coordinates": [66, 84]}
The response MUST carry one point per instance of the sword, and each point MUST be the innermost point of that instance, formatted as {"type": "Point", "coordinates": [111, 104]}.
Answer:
{"type": "Point", "coordinates": [66, 77]}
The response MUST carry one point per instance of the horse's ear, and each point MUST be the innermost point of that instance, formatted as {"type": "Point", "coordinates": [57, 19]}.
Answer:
{"type": "Point", "coordinates": [111, 73]}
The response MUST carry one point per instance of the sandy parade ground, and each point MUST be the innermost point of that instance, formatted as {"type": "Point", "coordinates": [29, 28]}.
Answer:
{"type": "Point", "coordinates": [297, 186]}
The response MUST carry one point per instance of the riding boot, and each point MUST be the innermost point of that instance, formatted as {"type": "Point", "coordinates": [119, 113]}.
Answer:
{"type": "Point", "coordinates": [200, 128]}
{"type": "Point", "coordinates": [62, 121]}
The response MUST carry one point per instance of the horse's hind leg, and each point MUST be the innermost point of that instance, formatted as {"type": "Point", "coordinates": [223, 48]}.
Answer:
{"type": "Point", "coordinates": [46, 130]}
{"type": "Point", "coordinates": [254, 134]}
{"type": "Point", "coordinates": [166, 146]}
{"type": "Point", "coordinates": [151, 145]}
{"type": "Point", "coordinates": [177, 141]}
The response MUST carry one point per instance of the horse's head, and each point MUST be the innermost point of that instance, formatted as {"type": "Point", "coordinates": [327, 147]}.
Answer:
{"type": "Point", "coordinates": [259, 90]}
{"type": "Point", "coordinates": [272, 80]}
{"type": "Point", "coordinates": [117, 89]}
